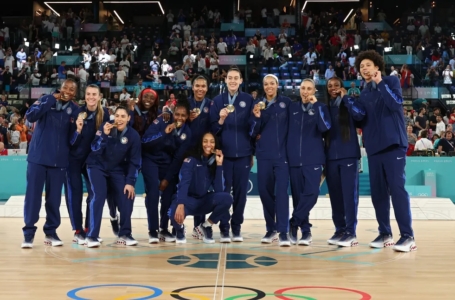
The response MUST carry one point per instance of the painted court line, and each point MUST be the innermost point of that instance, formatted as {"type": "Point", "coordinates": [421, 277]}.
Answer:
{"type": "Point", "coordinates": [224, 270]}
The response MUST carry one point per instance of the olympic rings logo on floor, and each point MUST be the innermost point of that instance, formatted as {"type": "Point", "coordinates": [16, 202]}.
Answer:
{"type": "Point", "coordinates": [253, 294]}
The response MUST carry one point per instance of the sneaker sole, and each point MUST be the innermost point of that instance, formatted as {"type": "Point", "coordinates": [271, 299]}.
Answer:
{"type": "Point", "coordinates": [154, 241]}
{"type": "Point", "coordinates": [78, 241]}
{"type": "Point", "coordinates": [208, 241]}
{"type": "Point", "coordinates": [93, 245]}
{"type": "Point", "coordinates": [180, 241]}
{"type": "Point", "coordinates": [384, 245]}
{"type": "Point", "coordinates": [225, 240]}
{"type": "Point", "coordinates": [269, 241]}
{"type": "Point", "coordinates": [167, 240]}
{"type": "Point", "coordinates": [407, 249]}
{"type": "Point", "coordinates": [124, 243]}
{"type": "Point", "coordinates": [26, 246]}
{"type": "Point", "coordinates": [285, 244]}
{"type": "Point", "coordinates": [304, 243]}
{"type": "Point", "coordinates": [351, 244]}
{"type": "Point", "coordinates": [53, 244]}
{"type": "Point", "coordinates": [333, 242]}
{"type": "Point", "coordinates": [237, 240]}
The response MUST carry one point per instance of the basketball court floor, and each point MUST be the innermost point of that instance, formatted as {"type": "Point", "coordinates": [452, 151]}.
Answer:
{"type": "Point", "coordinates": [248, 270]}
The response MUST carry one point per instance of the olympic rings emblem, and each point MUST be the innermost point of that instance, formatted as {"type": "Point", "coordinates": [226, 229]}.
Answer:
{"type": "Point", "coordinates": [155, 292]}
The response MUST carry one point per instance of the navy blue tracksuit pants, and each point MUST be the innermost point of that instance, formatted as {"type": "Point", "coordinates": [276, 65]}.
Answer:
{"type": "Point", "coordinates": [387, 179]}
{"type": "Point", "coordinates": [217, 204]}
{"type": "Point", "coordinates": [153, 174]}
{"type": "Point", "coordinates": [101, 182]}
{"type": "Point", "coordinates": [39, 176]}
{"type": "Point", "coordinates": [342, 176]}
{"type": "Point", "coordinates": [273, 182]}
{"type": "Point", "coordinates": [305, 182]}
{"type": "Point", "coordinates": [74, 195]}
{"type": "Point", "coordinates": [237, 176]}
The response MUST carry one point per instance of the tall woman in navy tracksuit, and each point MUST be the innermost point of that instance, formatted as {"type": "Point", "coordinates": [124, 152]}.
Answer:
{"type": "Point", "coordinates": [342, 174]}
{"type": "Point", "coordinates": [201, 189]}
{"type": "Point", "coordinates": [47, 160]}
{"type": "Point", "coordinates": [271, 128]}
{"type": "Point", "coordinates": [113, 164]}
{"type": "Point", "coordinates": [90, 118]}
{"type": "Point", "coordinates": [230, 116]}
{"type": "Point", "coordinates": [163, 147]}
{"type": "Point", "coordinates": [199, 123]}
{"type": "Point", "coordinates": [380, 107]}
{"type": "Point", "coordinates": [308, 121]}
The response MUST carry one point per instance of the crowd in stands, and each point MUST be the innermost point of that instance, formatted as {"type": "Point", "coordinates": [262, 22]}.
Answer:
{"type": "Point", "coordinates": [325, 47]}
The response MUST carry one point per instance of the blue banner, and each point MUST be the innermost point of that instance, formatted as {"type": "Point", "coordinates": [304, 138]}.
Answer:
{"type": "Point", "coordinates": [232, 26]}
{"type": "Point", "coordinates": [226, 60]}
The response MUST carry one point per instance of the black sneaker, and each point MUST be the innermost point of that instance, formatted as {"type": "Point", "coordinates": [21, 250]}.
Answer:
{"type": "Point", "coordinates": [224, 237]}
{"type": "Point", "coordinates": [127, 240]}
{"type": "Point", "coordinates": [207, 234]}
{"type": "Point", "coordinates": [166, 236]}
{"type": "Point", "coordinates": [28, 241]}
{"type": "Point", "coordinates": [306, 239]}
{"type": "Point", "coordinates": [293, 232]}
{"type": "Point", "coordinates": [115, 226]}
{"type": "Point", "coordinates": [153, 237]}
{"type": "Point", "coordinates": [283, 240]}
{"type": "Point", "coordinates": [269, 237]}
{"type": "Point", "coordinates": [53, 240]}
{"type": "Point", "coordinates": [335, 238]}
{"type": "Point", "coordinates": [180, 235]}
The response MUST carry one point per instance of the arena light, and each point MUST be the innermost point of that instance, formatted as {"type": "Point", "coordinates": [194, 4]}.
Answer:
{"type": "Point", "coordinates": [136, 2]}
{"type": "Point", "coordinates": [63, 2]}
{"type": "Point", "coordinates": [304, 5]}
{"type": "Point", "coordinates": [120, 19]}
{"type": "Point", "coordinates": [348, 15]}
{"type": "Point", "coordinates": [57, 46]}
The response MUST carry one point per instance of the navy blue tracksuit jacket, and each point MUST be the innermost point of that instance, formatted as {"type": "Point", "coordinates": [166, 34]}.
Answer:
{"type": "Point", "coordinates": [380, 109]}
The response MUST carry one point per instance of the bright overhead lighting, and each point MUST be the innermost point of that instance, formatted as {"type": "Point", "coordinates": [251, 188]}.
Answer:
{"type": "Point", "coordinates": [63, 2]}
{"type": "Point", "coordinates": [304, 5]}
{"type": "Point", "coordinates": [120, 19]}
{"type": "Point", "coordinates": [136, 2]}
{"type": "Point", "coordinates": [348, 15]}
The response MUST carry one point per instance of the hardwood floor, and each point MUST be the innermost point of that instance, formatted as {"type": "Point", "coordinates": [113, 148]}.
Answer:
{"type": "Point", "coordinates": [248, 270]}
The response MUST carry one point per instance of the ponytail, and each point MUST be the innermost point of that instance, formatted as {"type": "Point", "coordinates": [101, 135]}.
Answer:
{"type": "Point", "coordinates": [99, 114]}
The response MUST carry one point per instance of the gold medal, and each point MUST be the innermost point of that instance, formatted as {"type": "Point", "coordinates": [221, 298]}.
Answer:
{"type": "Point", "coordinates": [262, 105]}
{"type": "Point", "coordinates": [197, 110]}
{"type": "Point", "coordinates": [230, 108]}
{"type": "Point", "coordinates": [82, 115]}
{"type": "Point", "coordinates": [178, 124]}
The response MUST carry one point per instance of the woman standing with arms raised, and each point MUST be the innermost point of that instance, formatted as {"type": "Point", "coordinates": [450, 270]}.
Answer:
{"type": "Point", "coordinates": [341, 168]}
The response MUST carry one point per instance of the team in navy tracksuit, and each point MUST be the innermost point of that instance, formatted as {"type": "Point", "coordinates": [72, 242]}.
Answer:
{"type": "Point", "coordinates": [80, 149]}
{"type": "Point", "coordinates": [163, 149]}
{"type": "Point", "coordinates": [305, 148]}
{"type": "Point", "coordinates": [201, 191]}
{"type": "Point", "coordinates": [47, 161]}
{"type": "Point", "coordinates": [234, 132]}
{"type": "Point", "coordinates": [341, 168]}
{"type": "Point", "coordinates": [199, 125]}
{"type": "Point", "coordinates": [381, 106]}
{"type": "Point", "coordinates": [113, 165]}
{"type": "Point", "coordinates": [273, 169]}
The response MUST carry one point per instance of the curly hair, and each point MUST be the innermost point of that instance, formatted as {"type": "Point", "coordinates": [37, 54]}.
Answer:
{"type": "Point", "coordinates": [372, 55]}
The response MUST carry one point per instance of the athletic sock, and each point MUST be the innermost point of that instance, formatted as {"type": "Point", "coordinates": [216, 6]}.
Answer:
{"type": "Point", "coordinates": [207, 224]}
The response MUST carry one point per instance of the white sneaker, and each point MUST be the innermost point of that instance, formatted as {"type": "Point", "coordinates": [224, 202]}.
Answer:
{"type": "Point", "coordinates": [237, 237]}
{"type": "Point", "coordinates": [92, 243]}
{"type": "Point", "coordinates": [269, 237]}
{"type": "Point", "coordinates": [335, 238]}
{"type": "Point", "coordinates": [224, 237]}
{"type": "Point", "coordinates": [127, 241]}
{"type": "Point", "coordinates": [306, 239]}
{"type": "Point", "coordinates": [79, 239]}
{"type": "Point", "coordinates": [405, 244]}
{"type": "Point", "coordinates": [53, 240]}
{"type": "Point", "coordinates": [348, 240]}
{"type": "Point", "coordinates": [197, 234]}
{"type": "Point", "coordinates": [28, 242]}
{"type": "Point", "coordinates": [382, 241]}
{"type": "Point", "coordinates": [153, 237]}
